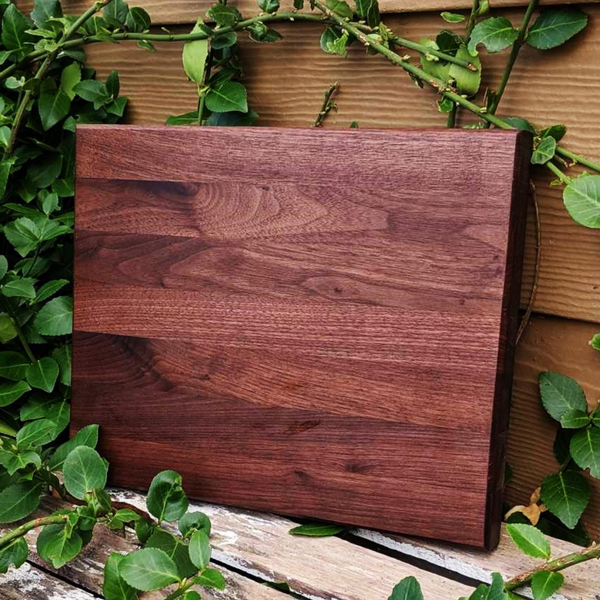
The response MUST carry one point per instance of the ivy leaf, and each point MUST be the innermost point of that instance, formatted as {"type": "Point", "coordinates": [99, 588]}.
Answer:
{"type": "Point", "coordinates": [15, 554]}
{"type": "Point", "coordinates": [545, 583]}
{"type": "Point", "coordinates": [211, 578]}
{"type": "Point", "coordinates": [318, 530]}
{"type": "Point", "coordinates": [88, 436]}
{"type": "Point", "coordinates": [200, 550]}
{"type": "Point", "coordinates": [575, 419]}
{"type": "Point", "coordinates": [14, 29]}
{"type": "Point", "coordinates": [452, 17]}
{"type": "Point", "coordinates": [43, 374]}
{"type": "Point", "coordinates": [148, 569]}
{"type": "Point", "coordinates": [529, 539]}
{"type": "Point", "coordinates": [561, 394]}
{"type": "Point", "coordinates": [496, 34]}
{"type": "Point", "coordinates": [585, 450]}
{"type": "Point", "coordinates": [36, 433]}
{"type": "Point", "coordinates": [174, 549]}
{"type": "Point", "coordinates": [226, 97]}
{"type": "Point", "coordinates": [467, 81]}
{"type": "Point", "coordinates": [56, 317]}
{"type": "Point", "coordinates": [195, 55]}
{"type": "Point", "coordinates": [57, 545]}
{"type": "Point", "coordinates": [19, 500]}
{"type": "Point", "coordinates": [368, 10]}
{"type": "Point", "coordinates": [11, 392]}
{"type": "Point", "coordinates": [194, 521]}
{"type": "Point", "coordinates": [13, 365]}
{"type": "Point", "coordinates": [582, 200]}
{"type": "Point", "coordinates": [114, 586]}
{"type": "Point", "coordinates": [544, 152]}
{"type": "Point", "coordinates": [555, 26]}
{"type": "Point", "coordinates": [84, 470]}
{"type": "Point", "coordinates": [166, 499]}
{"type": "Point", "coordinates": [407, 589]}
{"type": "Point", "coordinates": [225, 16]}
{"type": "Point", "coordinates": [19, 288]}
{"type": "Point", "coordinates": [341, 8]}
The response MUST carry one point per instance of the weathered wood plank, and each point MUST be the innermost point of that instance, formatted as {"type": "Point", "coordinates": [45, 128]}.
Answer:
{"type": "Point", "coordinates": [187, 11]}
{"type": "Point", "coordinates": [555, 345]}
{"type": "Point", "coordinates": [581, 580]}
{"type": "Point", "coordinates": [30, 583]}
{"type": "Point", "coordinates": [286, 82]}
{"type": "Point", "coordinates": [316, 568]}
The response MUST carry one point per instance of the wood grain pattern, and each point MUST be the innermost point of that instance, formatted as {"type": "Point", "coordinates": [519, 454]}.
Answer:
{"type": "Point", "coordinates": [281, 306]}
{"type": "Point", "coordinates": [286, 82]}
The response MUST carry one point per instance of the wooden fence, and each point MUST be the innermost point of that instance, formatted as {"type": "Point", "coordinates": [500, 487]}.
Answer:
{"type": "Point", "coordinates": [286, 82]}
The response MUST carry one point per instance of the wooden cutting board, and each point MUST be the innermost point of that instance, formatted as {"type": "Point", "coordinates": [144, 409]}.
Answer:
{"type": "Point", "coordinates": [312, 322]}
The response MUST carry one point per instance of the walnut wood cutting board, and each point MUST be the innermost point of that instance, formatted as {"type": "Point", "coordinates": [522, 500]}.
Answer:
{"type": "Point", "coordinates": [311, 322]}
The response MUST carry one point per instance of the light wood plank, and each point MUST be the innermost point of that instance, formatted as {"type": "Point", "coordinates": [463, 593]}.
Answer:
{"type": "Point", "coordinates": [30, 583]}
{"type": "Point", "coordinates": [581, 580]}
{"type": "Point", "coordinates": [549, 344]}
{"type": "Point", "coordinates": [187, 11]}
{"type": "Point", "coordinates": [286, 82]}
{"type": "Point", "coordinates": [316, 568]}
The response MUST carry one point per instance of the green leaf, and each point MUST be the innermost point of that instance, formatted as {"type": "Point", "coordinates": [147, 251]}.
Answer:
{"type": "Point", "coordinates": [56, 317]}
{"type": "Point", "coordinates": [122, 517]}
{"type": "Point", "coordinates": [117, 11]}
{"type": "Point", "coordinates": [37, 406]}
{"type": "Point", "coordinates": [496, 34]}
{"type": "Point", "coordinates": [452, 17]}
{"type": "Point", "coordinates": [43, 374]}
{"type": "Point", "coordinates": [341, 8]}
{"type": "Point", "coordinates": [19, 500]}
{"type": "Point", "coordinates": [88, 437]}
{"type": "Point", "coordinates": [585, 450]}
{"type": "Point", "coordinates": [174, 549]}
{"type": "Point", "coordinates": [166, 499]}
{"type": "Point", "coordinates": [36, 433]}
{"type": "Point", "coordinates": [43, 10]}
{"type": "Point", "coordinates": [558, 132]}
{"type": "Point", "coordinates": [575, 419]}
{"type": "Point", "coordinates": [57, 545]}
{"type": "Point", "coordinates": [200, 549]}
{"type": "Point", "coordinates": [11, 392]}
{"type": "Point", "coordinates": [582, 200]}
{"type": "Point", "coordinates": [5, 168]}
{"type": "Point", "coordinates": [84, 470]}
{"type": "Point", "coordinates": [555, 26]}
{"type": "Point", "coordinates": [53, 107]}
{"type": "Point", "coordinates": [211, 578]}
{"type": "Point", "coordinates": [13, 365]}
{"type": "Point", "coordinates": [69, 78]}
{"type": "Point", "coordinates": [407, 589]}
{"type": "Point", "coordinates": [43, 171]}
{"type": "Point", "coordinates": [23, 234]}
{"type": "Point", "coordinates": [8, 331]}
{"type": "Point", "coordinates": [148, 569]}
{"type": "Point", "coordinates": [93, 91]}
{"type": "Point", "coordinates": [561, 394]}
{"type": "Point", "coordinates": [19, 288]}
{"type": "Point", "coordinates": [318, 530]}
{"type": "Point", "coordinates": [195, 55]}
{"type": "Point", "coordinates": [368, 10]}
{"type": "Point", "coordinates": [227, 96]}
{"type": "Point", "coordinates": [113, 84]}
{"type": "Point", "coordinates": [49, 289]}
{"type": "Point", "coordinates": [191, 595]}
{"type": "Point", "coordinates": [495, 591]}
{"type": "Point", "coordinates": [63, 356]}
{"type": "Point", "coordinates": [529, 539]}
{"type": "Point", "coordinates": [194, 521]}
{"type": "Point", "coordinates": [114, 586]}
{"type": "Point", "coordinates": [544, 152]}
{"type": "Point", "coordinates": [595, 342]}
{"type": "Point", "coordinates": [467, 81]}
{"type": "Point", "coordinates": [15, 554]}
{"type": "Point", "coordinates": [144, 530]}
{"type": "Point", "coordinates": [225, 16]}
{"type": "Point", "coordinates": [14, 29]}
{"type": "Point", "coordinates": [14, 461]}
{"type": "Point", "coordinates": [268, 6]}
{"type": "Point", "coordinates": [545, 583]}
{"type": "Point", "coordinates": [3, 266]}
{"type": "Point", "coordinates": [138, 20]}
{"type": "Point", "coordinates": [328, 39]}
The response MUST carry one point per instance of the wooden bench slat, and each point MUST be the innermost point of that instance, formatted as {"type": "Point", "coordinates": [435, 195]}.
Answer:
{"type": "Point", "coordinates": [317, 568]}
{"type": "Point", "coordinates": [582, 581]}
{"type": "Point", "coordinates": [30, 583]}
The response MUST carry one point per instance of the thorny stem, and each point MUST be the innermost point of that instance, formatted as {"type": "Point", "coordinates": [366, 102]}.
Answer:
{"type": "Point", "coordinates": [552, 566]}
{"type": "Point", "coordinates": [582, 160]}
{"type": "Point", "coordinates": [427, 50]}
{"type": "Point", "coordinates": [514, 54]}
{"type": "Point", "coordinates": [18, 532]}
{"type": "Point", "coordinates": [182, 589]}
{"type": "Point", "coordinates": [328, 104]}
{"type": "Point", "coordinates": [563, 178]}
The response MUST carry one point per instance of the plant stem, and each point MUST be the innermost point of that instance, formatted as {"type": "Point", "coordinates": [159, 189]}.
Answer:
{"type": "Point", "coordinates": [328, 104]}
{"type": "Point", "coordinates": [563, 178]}
{"type": "Point", "coordinates": [570, 560]}
{"type": "Point", "coordinates": [180, 590]}
{"type": "Point", "coordinates": [512, 59]}
{"type": "Point", "coordinates": [472, 19]}
{"type": "Point", "coordinates": [427, 50]}
{"type": "Point", "coordinates": [451, 120]}
{"type": "Point", "coordinates": [18, 532]}
{"type": "Point", "coordinates": [582, 160]}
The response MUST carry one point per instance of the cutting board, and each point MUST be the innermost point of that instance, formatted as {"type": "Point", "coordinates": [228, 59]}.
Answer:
{"type": "Point", "coordinates": [312, 322]}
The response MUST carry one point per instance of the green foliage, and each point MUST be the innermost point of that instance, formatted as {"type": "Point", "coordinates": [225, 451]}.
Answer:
{"type": "Point", "coordinates": [544, 584]}
{"type": "Point", "coordinates": [148, 569]}
{"type": "Point", "coordinates": [544, 151]}
{"type": "Point", "coordinates": [318, 530]}
{"type": "Point", "coordinates": [495, 33]}
{"type": "Point", "coordinates": [452, 17]}
{"type": "Point", "coordinates": [195, 55]}
{"type": "Point", "coordinates": [166, 499]}
{"type": "Point", "coordinates": [566, 495]}
{"type": "Point", "coordinates": [595, 342]}
{"type": "Point", "coordinates": [561, 395]}
{"type": "Point", "coordinates": [495, 591]}
{"type": "Point", "coordinates": [407, 589]}
{"type": "Point", "coordinates": [585, 450]}
{"type": "Point", "coordinates": [84, 470]}
{"type": "Point", "coordinates": [529, 539]}
{"type": "Point", "coordinates": [555, 26]}
{"type": "Point", "coordinates": [582, 200]}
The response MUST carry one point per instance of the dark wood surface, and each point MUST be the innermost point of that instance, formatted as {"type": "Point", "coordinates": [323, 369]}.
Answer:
{"type": "Point", "coordinates": [316, 323]}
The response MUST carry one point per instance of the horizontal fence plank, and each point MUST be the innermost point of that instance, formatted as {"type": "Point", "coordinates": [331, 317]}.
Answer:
{"type": "Point", "coordinates": [549, 344]}
{"type": "Point", "coordinates": [187, 11]}
{"type": "Point", "coordinates": [286, 82]}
